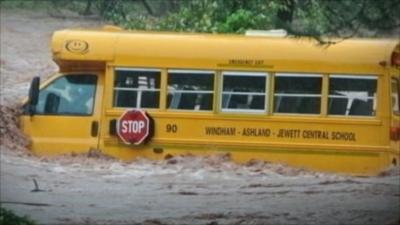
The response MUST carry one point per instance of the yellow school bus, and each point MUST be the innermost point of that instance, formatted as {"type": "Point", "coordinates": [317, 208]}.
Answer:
{"type": "Point", "coordinates": [280, 99]}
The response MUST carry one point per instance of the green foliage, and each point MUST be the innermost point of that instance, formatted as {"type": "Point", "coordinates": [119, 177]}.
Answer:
{"type": "Point", "coordinates": [340, 18]}
{"type": "Point", "coordinates": [345, 18]}
{"type": "Point", "coordinates": [27, 4]}
{"type": "Point", "coordinates": [218, 16]}
{"type": "Point", "coordinates": [7, 217]}
{"type": "Point", "coordinates": [316, 18]}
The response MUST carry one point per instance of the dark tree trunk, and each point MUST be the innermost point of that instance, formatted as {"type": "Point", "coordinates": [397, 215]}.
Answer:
{"type": "Point", "coordinates": [285, 15]}
{"type": "Point", "coordinates": [148, 7]}
{"type": "Point", "coordinates": [88, 8]}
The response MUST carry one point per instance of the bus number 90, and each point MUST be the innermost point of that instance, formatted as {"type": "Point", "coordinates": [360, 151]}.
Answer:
{"type": "Point", "coordinates": [171, 128]}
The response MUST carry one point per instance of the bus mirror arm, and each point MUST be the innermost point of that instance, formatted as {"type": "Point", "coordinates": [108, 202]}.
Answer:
{"type": "Point", "coordinates": [33, 95]}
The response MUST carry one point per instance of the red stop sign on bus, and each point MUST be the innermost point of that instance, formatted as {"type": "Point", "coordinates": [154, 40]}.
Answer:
{"type": "Point", "coordinates": [133, 127]}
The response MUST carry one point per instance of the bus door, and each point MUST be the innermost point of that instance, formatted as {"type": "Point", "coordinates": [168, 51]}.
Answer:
{"type": "Point", "coordinates": [67, 115]}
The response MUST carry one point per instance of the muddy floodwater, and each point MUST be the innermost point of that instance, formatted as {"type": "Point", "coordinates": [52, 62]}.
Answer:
{"type": "Point", "coordinates": [96, 189]}
{"type": "Point", "coordinates": [191, 190]}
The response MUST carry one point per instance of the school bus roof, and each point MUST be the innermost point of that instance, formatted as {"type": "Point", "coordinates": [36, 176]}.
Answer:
{"type": "Point", "coordinates": [177, 50]}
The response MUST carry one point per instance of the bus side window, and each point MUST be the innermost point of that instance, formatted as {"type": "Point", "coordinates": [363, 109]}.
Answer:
{"type": "Point", "coordinates": [297, 93]}
{"type": "Point", "coordinates": [396, 96]}
{"type": "Point", "coordinates": [137, 88]}
{"type": "Point", "coordinates": [68, 95]}
{"type": "Point", "coordinates": [243, 92]}
{"type": "Point", "coordinates": [352, 95]}
{"type": "Point", "coordinates": [190, 90]}
{"type": "Point", "coordinates": [337, 106]}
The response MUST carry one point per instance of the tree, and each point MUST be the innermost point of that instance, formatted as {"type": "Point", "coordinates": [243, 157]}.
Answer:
{"type": "Point", "coordinates": [340, 18]}
{"type": "Point", "coordinates": [88, 7]}
{"type": "Point", "coordinates": [315, 18]}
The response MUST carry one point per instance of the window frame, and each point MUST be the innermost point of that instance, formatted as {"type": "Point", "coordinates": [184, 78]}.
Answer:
{"type": "Point", "coordinates": [359, 77]}
{"type": "Point", "coordinates": [55, 79]}
{"type": "Point", "coordinates": [138, 97]}
{"type": "Point", "coordinates": [395, 80]}
{"type": "Point", "coordinates": [264, 74]}
{"type": "Point", "coordinates": [298, 75]}
{"type": "Point", "coordinates": [194, 71]}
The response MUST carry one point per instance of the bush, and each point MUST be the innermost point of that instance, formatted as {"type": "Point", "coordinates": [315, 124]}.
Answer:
{"type": "Point", "coordinates": [314, 18]}
{"type": "Point", "coordinates": [7, 217]}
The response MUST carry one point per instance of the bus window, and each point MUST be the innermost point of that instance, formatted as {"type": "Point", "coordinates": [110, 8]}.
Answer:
{"type": "Point", "coordinates": [68, 95]}
{"type": "Point", "coordinates": [243, 92]}
{"type": "Point", "coordinates": [352, 95]}
{"type": "Point", "coordinates": [396, 96]}
{"type": "Point", "coordinates": [137, 88]}
{"type": "Point", "coordinates": [190, 89]}
{"type": "Point", "coordinates": [297, 93]}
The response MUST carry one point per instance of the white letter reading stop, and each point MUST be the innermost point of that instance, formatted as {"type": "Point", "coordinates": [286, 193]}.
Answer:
{"type": "Point", "coordinates": [132, 126]}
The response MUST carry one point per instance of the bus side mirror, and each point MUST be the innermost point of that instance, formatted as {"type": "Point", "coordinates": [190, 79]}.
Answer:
{"type": "Point", "coordinates": [33, 95]}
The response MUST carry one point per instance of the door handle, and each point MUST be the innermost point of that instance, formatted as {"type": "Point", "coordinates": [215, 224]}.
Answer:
{"type": "Point", "coordinates": [95, 129]}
